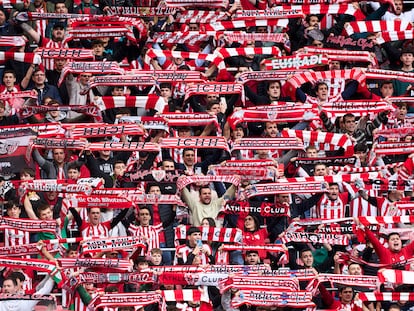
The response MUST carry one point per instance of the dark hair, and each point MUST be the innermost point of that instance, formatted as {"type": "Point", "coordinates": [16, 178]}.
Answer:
{"type": "Point", "coordinates": [29, 171]}
{"type": "Point", "coordinates": [149, 185]}
{"type": "Point", "coordinates": [73, 166]}
{"type": "Point", "coordinates": [165, 85]}
{"type": "Point", "coordinates": [256, 222]}
{"type": "Point", "coordinates": [192, 230]}
{"type": "Point", "coordinates": [306, 249]}
{"type": "Point", "coordinates": [391, 234]}
{"type": "Point", "coordinates": [9, 71]}
{"type": "Point", "coordinates": [319, 83]}
{"type": "Point", "coordinates": [211, 221]}
{"type": "Point", "coordinates": [14, 280]}
{"type": "Point", "coordinates": [12, 203]}
{"type": "Point", "coordinates": [17, 275]}
{"type": "Point", "coordinates": [203, 187]}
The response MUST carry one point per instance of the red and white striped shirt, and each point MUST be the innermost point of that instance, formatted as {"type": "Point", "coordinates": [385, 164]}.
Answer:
{"type": "Point", "coordinates": [149, 233]}
{"type": "Point", "coordinates": [13, 237]}
{"type": "Point", "coordinates": [184, 251]}
{"type": "Point", "coordinates": [48, 63]}
{"type": "Point", "coordinates": [99, 231]}
{"type": "Point", "coordinates": [330, 209]}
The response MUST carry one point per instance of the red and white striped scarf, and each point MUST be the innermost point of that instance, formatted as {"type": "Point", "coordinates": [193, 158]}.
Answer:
{"type": "Point", "coordinates": [90, 67]}
{"type": "Point", "coordinates": [140, 11]}
{"type": "Point", "coordinates": [227, 25]}
{"type": "Point", "coordinates": [267, 143]}
{"type": "Point", "coordinates": [65, 53]}
{"type": "Point", "coordinates": [98, 277]}
{"type": "Point", "coordinates": [365, 169]}
{"type": "Point", "coordinates": [31, 58]}
{"type": "Point", "coordinates": [154, 53]}
{"type": "Point", "coordinates": [113, 243]}
{"type": "Point", "coordinates": [342, 55]}
{"type": "Point", "coordinates": [89, 110]}
{"type": "Point", "coordinates": [382, 74]}
{"type": "Point", "coordinates": [189, 37]}
{"type": "Point", "coordinates": [125, 299]}
{"type": "Point", "coordinates": [298, 61]}
{"type": "Point", "coordinates": [248, 163]}
{"type": "Point", "coordinates": [98, 263]}
{"type": "Point", "coordinates": [388, 36]}
{"type": "Point", "coordinates": [265, 75]}
{"type": "Point", "coordinates": [102, 130]}
{"type": "Point", "coordinates": [277, 188]}
{"type": "Point", "coordinates": [15, 41]}
{"type": "Point", "coordinates": [376, 26]}
{"type": "Point", "coordinates": [18, 94]}
{"type": "Point", "coordinates": [384, 220]}
{"type": "Point", "coordinates": [356, 107]}
{"type": "Point", "coordinates": [396, 276]}
{"type": "Point", "coordinates": [322, 140]}
{"type": "Point", "coordinates": [44, 130]}
{"type": "Point", "coordinates": [390, 148]}
{"type": "Point", "coordinates": [214, 88]}
{"type": "Point", "coordinates": [190, 3]}
{"type": "Point", "coordinates": [312, 76]}
{"type": "Point", "coordinates": [255, 297]}
{"type": "Point", "coordinates": [223, 53]}
{"type": "Point", "coordinates": [275, 113]}
{"type": "Point", "coordinates": [215, 142]}
{"type": "Point", "coordinates": [233, 281]}
{"type": "Point", "coordinates": [379, 296]}
{"type": "Point", "coordinates": [55, 185]}
{"type": "Point", "coordinates": [249, 174]}
{"type": "Point", "coordinates": [31, 225]}
{"type": "Point", "coordinates": [199, 16]}
{"type": "Point", "coordinates": [183, 181]}
{"type": "Point", "coordinates": [308, 237]}
{"type": "Point", "coordinates": [399, 132]}
{"type": "Point", "coordinates": [151, 101]}
{"type": "Point", "coordinates": [232, 235]}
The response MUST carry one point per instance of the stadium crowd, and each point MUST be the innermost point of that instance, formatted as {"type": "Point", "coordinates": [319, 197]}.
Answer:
{"type": "Point", "coordinates": [206, 155]}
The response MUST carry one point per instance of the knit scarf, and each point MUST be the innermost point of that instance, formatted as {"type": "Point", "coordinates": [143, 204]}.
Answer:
{"type": "Point", "coordinates": [15, 41]}
{"type": "Point", "coordinates": [102, 129]}
{"type": "Point", "coordinates": [31, 58]}
{"type": "Point", "coordinates": [277, 188]}
{"type": "Point", "coordinates": [110, 244]}
{"type": "Point", "coordinates": [243, 208]}
{"type": "Point", "coordinates": [211, 88]}
{"type": "Point", "coordinates": [260, 173]}
{"type": "Point", "coordinates": [267, 143]}
{"type": "Point", "coordinates": [290, 284]}
{"type": "Point", "coordinates": [67, 263]}
{"type": "Point", "coordinates": [140, 11]}
{"type": "Point", "coordinates": [65, 53]}
{"type": "Point", "coordinates": [273, 298]}
{"type": "Point", "coordinates": [322, 140]}
{"type": "Point", "coordinates": [298, 61]}
{"type": "Point", "coordinates": [308, 237]}
{"type": "Point", "coordinates": [183, 181]}
{"type": "Point", "coordinates": [356, 107]}
{"type": "Point", "coordinates": [396, 276]}
{"type": "Point", "coordinates": [213, 234]}
{"type": "Point", "coordinates": [90, 67]}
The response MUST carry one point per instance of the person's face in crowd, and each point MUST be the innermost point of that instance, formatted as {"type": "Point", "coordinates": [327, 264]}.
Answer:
{"type": "Point", "coordinates": [61, 8]}
{"type": "Point", "coordinates": [215, 109]}
{"type": "Point", "coordinates": [73, 174]}
{"type": "Point", "coordinates": [271, 129]}
{"type": "Point", "coordinates": [2, 18]}
{"type": "Point", "coordinates": [105, 153]}
{"type": "Point", "coordinates": [37, 3]}
{"type": "Point", "coordinates": [350, 124]}
{"type": "Point", "coordinates": [346, 295]}
{"type": "Point", "coordinates": [237, 133]}
{"type": "Point", "coordinates": [98, 49]}
{"type": "Point", "coordinates": [274, 90]}
{"type": "Point", "coordinates": [184, 132]}
{"type": "Point", "coordinates": [26, 176]}
{"type": "Point", "coordinates": [311, 153]}
{"type": "Point", "coordinates": [282, 198]}
{"type": "Point", "coordinates": [46, 214]}
{"type": "Point", "coordinates": [72, 254]}
{"type": "Point", "coordinates": [261, 29]}
{"type": "Point", "coordinates": [193, 27]}
{"type": "Point", "coordinates": [188, 158]}
{"type": "Point", "coordinates": [94, 216]}
{"type": "Point", "coordinates": [262, 154]}
{"type": "Point", "coordinates": [59, 156]}
{"type": "Point", "coordinates": [314, 21]}
{"type": "Point", "coordinates": [9, 287]}
{"type": "Point", "coordinates": [211, 97]}
{"type": "Point", "coordinates": [398, 4]}
{"type": "Point", "coordinates": [252, 259]}
{"type": "Point", "coordinates": [165, 92]}
{"type": "Point", "coordinates": [51, 195]}
{"type": "Point", "coordinates": [205, 223]}
{"type": "Point", "coordinates": [178, 61]}
{"type": "Point", "coordinates": [307, 259]}
{"type": "Point", "coordinates": [84, 78]}
{"type": "Point", "coordinates": [9, 79]}
{"type": "Point", "coordinates": [58, 34]}
{"type": "Point", "coordinates": [14, 212]}
{"type": "Point", "coordinates": [320, 170]}
{"type": "Point", "coordinates": [144, 217]}
{"type": "Point", "coordinates": [354, 269]}
{"type": "Point", "coordinates": [142, 266]}
{"type": "Point", "coordinates": [205, 196]}
{"type": "Point", "coordinates": [333, 192]}
{"type": "Point", "coordinates": [387, 90]}
{"type": "Point", "coordinates": [401, 112]}
{"type": "Point", "coordinates": [117, 91]}
{"type": "Point", "coordinates": [317, 43]}
{"type": "Point", "coordinates": [168, 166]}
{"type": "Point", "coordinates": [54, 113]}
{"type": "Point", "coordinates": [193, 238]}
{"type": "Point", "coordinates": [39, 78]}
{"type": "Point", "coordinates": [155, 190]}
{"type": "Point", "coordinates": [119, 169]}
{"type": "Point", "coordinates": [2, 109]}
{"type": "Point", "coordinates": [156, 259]}
{"type": "Point", "coordinates": [249, 224]}
{"type": "Point", "coordinates": [361, 155]}
{"type": "Point", "coordinates": [394, 243]}
{"type": "Point", "coordinates": [322, 92]}
{"type": "Point", "coordinates": [335, 65]}
{"type": "Point", "coordinates": [407, 59]}
{"type": "Point", "coordinates": [395, 195]}
{"type": "Point", "coordinates": [59, 63]}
